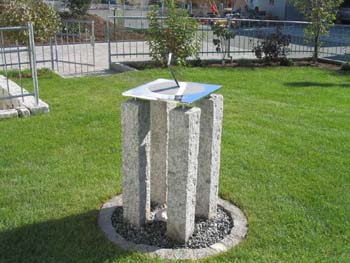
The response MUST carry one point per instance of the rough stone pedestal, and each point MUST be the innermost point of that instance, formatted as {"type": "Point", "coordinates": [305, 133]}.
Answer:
{"type": "Point", "coordinates": [209, 155]}
{"type": "Point", "coordinates": [136, 161]}
{"type": "Point", "coordinates": [182, 171]}
{"type": "Point", "coordinates": [159, 150]}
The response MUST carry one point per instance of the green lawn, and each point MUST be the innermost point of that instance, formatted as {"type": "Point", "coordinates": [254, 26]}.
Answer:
{"type": "Point", "coordinates": [285, 162]}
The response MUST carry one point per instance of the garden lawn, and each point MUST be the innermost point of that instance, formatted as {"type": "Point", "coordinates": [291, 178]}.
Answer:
{"type": "Point", "coordinates": [285, 162]}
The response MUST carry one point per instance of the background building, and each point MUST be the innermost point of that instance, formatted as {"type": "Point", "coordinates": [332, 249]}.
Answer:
{"type": "Point", "coordinates": [280, 9]}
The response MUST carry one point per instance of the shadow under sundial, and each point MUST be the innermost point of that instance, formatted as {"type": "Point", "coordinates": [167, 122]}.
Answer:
{"type": "Point", "coordinates": [170, 88]}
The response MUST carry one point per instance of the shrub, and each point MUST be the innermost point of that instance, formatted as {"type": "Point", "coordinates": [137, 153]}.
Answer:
{"type": "Point", "coordinates": [345, 66]}
{"type": "Point", "coordinates": [79, 7]}
{"type": "Point", "coordinates": [176, 33]}
{"type": "Point", "coordinates": [245, 63]}
{"type": "Point", "coordinates": [2, 6]}
{"type": "Point", "coordinates": [274, 48]}
{"type": "Point", "coordinates": [46, 22]}
{"type": "Point", "coordinates": [286, 62]}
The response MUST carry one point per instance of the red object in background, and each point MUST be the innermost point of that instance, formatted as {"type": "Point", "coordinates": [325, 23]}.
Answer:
{"type": "Point", "coordinates": [213, 7]}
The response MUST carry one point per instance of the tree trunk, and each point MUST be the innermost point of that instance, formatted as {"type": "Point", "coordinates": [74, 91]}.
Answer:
{"type": "Point", "coordinates": [316, 47]}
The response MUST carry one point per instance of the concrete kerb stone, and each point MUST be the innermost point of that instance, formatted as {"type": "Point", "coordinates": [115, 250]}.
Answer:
{"type": "Point", "coordinates": [25, 106]}
{"type": "Point", "coordinates": [238, 233]}
{"type": "Point", "coordinates": [10, 113]}
{"type": "Point", "coordinates": [120, 67]}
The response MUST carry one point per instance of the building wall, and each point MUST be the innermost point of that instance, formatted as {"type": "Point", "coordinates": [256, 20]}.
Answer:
{"type": "Point", "coordinates": [293, 14]}
{"type": "Point", "coordinates": [276, 8]}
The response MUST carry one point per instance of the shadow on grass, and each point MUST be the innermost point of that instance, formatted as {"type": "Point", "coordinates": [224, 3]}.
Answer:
{"type": "Point", "coordinates": [308, 84]}
{"type": "Point", "coordinates": [71, 239]}
{"type": "Point", "coordinates": [340, 73]}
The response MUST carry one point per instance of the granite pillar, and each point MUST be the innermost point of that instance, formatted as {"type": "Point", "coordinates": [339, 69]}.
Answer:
{"type": "Point", "coordinates": [159, 150]}
{"type": "Point", "coordinates": [183, 148]}
{"type": "Point", "coordinates": [209, 155]}
{"type": "Point", "coordinates": [136, 161]}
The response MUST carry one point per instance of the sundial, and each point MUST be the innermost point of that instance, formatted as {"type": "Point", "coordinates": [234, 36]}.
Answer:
{"type": "Point", "coordinates": [171, 157]}
{"type": "Point", "coordinates": [172, 90]}
{"type": "Point", "coordinates": [171, 154]}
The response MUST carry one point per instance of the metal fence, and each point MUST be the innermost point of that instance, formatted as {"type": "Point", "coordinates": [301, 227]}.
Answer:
{"type": "Point", "coordinates": [70, 52]}
{"type": "Point", "coordinates": [73, 48]}
{"type": "Point", "coordinates": [127, 38]}
{"type": "Point", "coordinates": [17, 48]}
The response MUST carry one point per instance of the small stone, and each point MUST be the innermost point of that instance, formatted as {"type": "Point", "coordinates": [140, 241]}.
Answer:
{"type": "Point", "coordinates": [23, 112]}
{"type": "Point", "coordinates": [206, 232]}
{"type": "Point", "coordinates": [161, 215]}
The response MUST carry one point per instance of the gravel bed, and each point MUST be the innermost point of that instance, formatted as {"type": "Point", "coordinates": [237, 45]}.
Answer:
{"type": "Point", "coordinates": [206, 232]}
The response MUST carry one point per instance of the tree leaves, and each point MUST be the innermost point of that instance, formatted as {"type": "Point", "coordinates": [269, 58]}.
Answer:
{"type": "Point", "coordinates": [321, 14]}
{"type": "Point", "coordinates": [176, 33]}
{"type": "Point", "coordinates": [46, 21]}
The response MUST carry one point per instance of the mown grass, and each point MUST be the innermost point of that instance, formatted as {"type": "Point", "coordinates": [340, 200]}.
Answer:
{"type": "Point", "coordinates": [285, 162]}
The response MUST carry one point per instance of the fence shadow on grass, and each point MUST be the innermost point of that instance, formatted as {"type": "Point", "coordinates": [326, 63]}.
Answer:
{"type": "Point", "coordinates": [310, 84]}
{"type": "Point", "coordinates": [71, 239]}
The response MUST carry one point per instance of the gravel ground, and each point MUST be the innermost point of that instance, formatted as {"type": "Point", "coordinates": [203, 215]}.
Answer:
{"type": "Point", "coordinates": [206, 233]}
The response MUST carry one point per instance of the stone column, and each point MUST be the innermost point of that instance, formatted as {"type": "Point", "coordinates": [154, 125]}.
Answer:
{"type": "Point", "coordinates": [159, 150]}
{"type": "Point", "coordinates": [136, 161]}
{"type": "Point", "coordinates": [209, 155]}
{"type": "Point", "coordinates": [182, 171]}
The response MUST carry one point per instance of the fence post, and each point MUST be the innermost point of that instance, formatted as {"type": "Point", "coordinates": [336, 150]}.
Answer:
{"type": "Point", "coordinates": [93, 43]}
{"type": "Point", "coordinates": [114, 23]}
{"type": "Point", "coordinates": [4, 60]}
{"type": "Point", "coordinates": [52, 58]}
{"type": "Point", "coordinates": [33, 62]}
{"type": "Point", "coordinates": [109, 45]}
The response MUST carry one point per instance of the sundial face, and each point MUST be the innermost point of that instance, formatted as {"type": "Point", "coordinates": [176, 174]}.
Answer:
{"type": "Point", "coordinates": [167, 90]}
{"type": "Point", "coordinates": [172, 90]}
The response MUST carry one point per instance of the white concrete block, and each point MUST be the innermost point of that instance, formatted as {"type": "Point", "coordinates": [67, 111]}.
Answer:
{"type": "Point", "coordinates": [11, 113]}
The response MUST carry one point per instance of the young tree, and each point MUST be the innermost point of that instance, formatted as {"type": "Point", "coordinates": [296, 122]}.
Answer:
{"type": "Point", "coordinates": [176, 33]}
{"type": "Point", "coordinates": [223, 35]}
{"type": "Point", "coordinates": [321, 13]}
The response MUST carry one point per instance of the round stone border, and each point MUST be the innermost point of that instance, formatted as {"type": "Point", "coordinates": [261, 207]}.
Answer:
{"type": "Point", "coordinates": [238, 233]}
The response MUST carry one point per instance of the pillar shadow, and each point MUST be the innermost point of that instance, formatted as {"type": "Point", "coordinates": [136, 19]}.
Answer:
{"type": "Point", "coordinates": [308, 84]}
{"type": "Point", "coordinates": [71, 239]}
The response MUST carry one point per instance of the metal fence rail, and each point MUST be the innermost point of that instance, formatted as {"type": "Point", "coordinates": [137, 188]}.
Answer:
{"type": "Point", "coordinates": [127, 38]}
{"type": "Point", "coordinates": [74, 47]}
{"type": "Point", "coordinates": [12, 52]}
